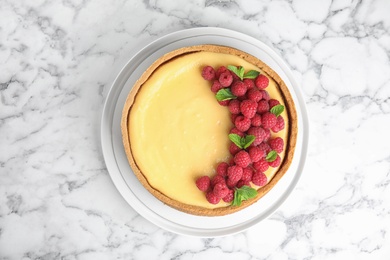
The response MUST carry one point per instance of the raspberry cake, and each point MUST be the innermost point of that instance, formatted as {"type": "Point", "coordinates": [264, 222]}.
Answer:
{"type": "Point", "coordinates": [209, 129]}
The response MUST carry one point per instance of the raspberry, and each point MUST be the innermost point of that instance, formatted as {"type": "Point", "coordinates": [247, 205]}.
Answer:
{"type": "Point", "coordinates": [276, 162]}
{"type": "Point", "coordinates": [216, 86]}
{"type": "Point", "coordinates": [242, 159]}
{"type": "Point", "coordinates": [222, 169]}
{"type": "Point", "coordinates": [220, 70]}
{"type": "Point", "coordinates": [256, 120]}
{"type": "Point", "coordinates": [234, 106]}
{"type": "Point", "coordinates": [259, 178]}
{"type": "Point", "coordinates": [268, 120]}
{"type": "Point", "coordinates": [229, 197]}
{"type": "Point", "coordinates": [217, 179]}
{"type": "Point", "coordinates": [203, 183]}
{"type": "Point", "coordinates": [267, 134]}
{"type": "Point", "coordinates": [277, 144]}
{"type": "Point", "coordinates": [220, 190]}
{"type": "Point", "coordinates": [212, 198]}
{"type": "Point", "coordinates": [259, 134]}
{"type": "Point", "coordinates": [262, 106]}
{"type": "Point", "coordinates": [256, 153]}
{"type": "Point", "coordinates": [231, 183]}
{"type": "Point", "coordinates": [241, 183]}
{"type": "Point", "coordinates": [225, 79]}
{"type": "Point", "coordinates": [235, 77]}
{"type": "Point", "coordinates": [249, 83]}
{"type": "Point", "coordinates": [234, 149]}
{"type": "Point", "coordinates": [254, 94]}
{"type": "Point", "coordinates": [242, 98]}
{"type": "Point", "coordinates": [261, 81]}
{"type": "Point", "coordinates": [208, 73]}
{"type": "Point", "coordinates": [234, 130]}
{"type": "Point", "coordinates": [265, 147]}
{"type": "Point", "coordinates": [231, 162]}
{"type": "Point", "coordinates": [234, 173]}
{"type": "Point", "coordinates": [261, 165]}
{"type": "Point", "coordinates": [247, 174]}
{"type": "Point", "coordinates": [265, 94]}
{"type": "Point", "coordinates": [238, 88]}
{"type": "Point", "coordinates": [248, 108]}
{"type": "Point", "coordinates": [224, 103]}
{"type": "Point", "coordinates": [272, 103]}
{"type": "Point", "coordinates": [242, 123]}
{"type": "Point", "coordinates": [279, 124]}
{"type": "Point", "coordinates": [233, 117]}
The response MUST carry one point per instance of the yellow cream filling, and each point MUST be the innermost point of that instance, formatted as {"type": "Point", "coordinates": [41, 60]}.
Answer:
{"type": "Point", "coordinates": [178, 131]}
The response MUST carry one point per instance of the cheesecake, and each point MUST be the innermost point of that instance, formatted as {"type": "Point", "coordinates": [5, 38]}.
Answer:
{"type": "Point", "coordinates": [176, 131]}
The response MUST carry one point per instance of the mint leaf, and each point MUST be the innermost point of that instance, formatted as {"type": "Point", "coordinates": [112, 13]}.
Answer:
{"type": "Point", "coordinates": [242, 142]}
{"type": "Point", "coordinates": [277, 110]}
{"type": "Point", "coordinates": [248, 140]}
{"type": "Point", "coordinates": [252, 74]}
{"type": "Point", "coordinates": [238, 71]}
{"type": "Point", "coordinates": [243, 193]}
{"type": "Point", "coordinates": [271, 156]}
{"type": "Point", "coordinates": [224, 94]}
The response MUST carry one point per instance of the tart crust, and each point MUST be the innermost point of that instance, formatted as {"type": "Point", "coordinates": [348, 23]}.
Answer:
{"type": "Point", "coordinates": [290, 141]}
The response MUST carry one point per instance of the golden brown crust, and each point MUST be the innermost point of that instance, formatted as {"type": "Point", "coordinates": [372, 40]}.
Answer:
{"type": "Point", "coordinates": [290, 142]}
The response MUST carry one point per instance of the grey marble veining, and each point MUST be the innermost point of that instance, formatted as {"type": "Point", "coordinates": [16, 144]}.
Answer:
{"type": "Point", "coordinates": [58, 60]}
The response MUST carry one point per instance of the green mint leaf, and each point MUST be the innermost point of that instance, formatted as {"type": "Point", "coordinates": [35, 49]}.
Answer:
{"type": "Point", "coordinates": [248, 140]}
{"type": "Point", "coordinates": [252, 74]}
{"type": "Point", "coordinates": [224, 94]}
{"type": "Point", "coordinates": [277, 110]}
{"type": "Point", "coordinates": [243, 193]}
{"type": "Point", "coordinates": [236, 139]}
{"type": "Point", "coordinates": [238, 71]}
{"type": "Point", "coordinates": [271, 156]}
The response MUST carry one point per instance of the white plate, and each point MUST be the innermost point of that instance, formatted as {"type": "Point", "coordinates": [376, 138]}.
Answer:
{"type": "Point", "coordinates": [127, 183]}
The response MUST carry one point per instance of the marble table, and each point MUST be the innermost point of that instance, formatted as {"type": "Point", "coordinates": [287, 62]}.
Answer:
{"type": "Point", "coordinates": [58, 60]}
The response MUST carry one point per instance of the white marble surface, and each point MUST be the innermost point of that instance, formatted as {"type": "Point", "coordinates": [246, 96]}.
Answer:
{"type": "Point", "coordinates": [58, 60]}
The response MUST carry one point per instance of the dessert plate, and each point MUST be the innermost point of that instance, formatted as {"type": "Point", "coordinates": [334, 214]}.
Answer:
{"type": "Point", "coordinates": [133, 191]}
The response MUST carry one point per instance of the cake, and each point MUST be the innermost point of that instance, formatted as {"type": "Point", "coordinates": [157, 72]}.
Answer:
{"type": "Point", "coordinates": [178, 136]}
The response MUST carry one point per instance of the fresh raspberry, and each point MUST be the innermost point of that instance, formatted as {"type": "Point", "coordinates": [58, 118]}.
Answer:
{"type": "Point", "coordinates": [256, 120]}
{"type": "Point", "coordinates": [224, 103]}
{"type": "Point", "coordinates": [265, 147]}
{"type": "Point", "coordinates": [247, 174]}
{"type": "Point", "coordinates": [212, 198]}
{"type": "Point", "coordinates": [279, 124]}
{"type": "Point", "coordinates": [259, 178]}
{"type": "Point", "coordinates": [234, 149]}
{"type": "Point", "coordinates": [259, 134]}
{"type": "Point", "coordinates": [234, 173]}
{"type": "Point", "coordinates": [249, 83]}
{"type": "Point", "coordinates": [216, 86]}
{"type": "Point", "coordinates": [233, 117]}
{"type": "Point", "coordinates": [234, 130]}
{"type": "Point", "coordinates": [256, 153]}
{"type": "Point", "coordinates": [203, 183]}
{"type": "Point", "coordinates": [229, 197]}
{"type": "Point", "coordinates": [220, 70]}
{"type": "Point", "coordinates": [265, 94]}
{"type": "Point", "coordinates": [208, 73]}
{"type": "Point", "coordinates": [242, 159]}
{"type": "Point", "coordinates": [273, 102]}
{"type": "Point", "coordinates": [262, 106]}
{"type": "Point", "coordinates": [268, 120]}
{"type": "Point", "coordinates": [220, 190]}
{"type": "Point", "coordinates": [241, 183]}
{"type": "Point", "coordinates": [234, 106]}
{"type": "Point", "coordinates": [238, 88]}
{"type": "Point", "coordinates": [242, 98]}
{"type": "Point", "coordinates": [276, 162]}
{"type": "Point", "coordinates": [242, 123]}
{"type": "Point", "coordinates": [261, 165]}
{"type": "Point", "coordinates": [217, 179]}
{"type": "Point", "coordinates": [277, 144]}
{"type": "Point", "coordinates": [231, 161]}
{"type": "Point", "coordinates": [231, 183]}
{"type": "Point", "coordinates": [222, 169]}
{"type": "Point", "coordinates": [225, 79]}
{"type": "Point", "coordinates": [248, 108]}
{"type": "Point", "coordinates": [267, 134]}
{"type": "Point", "coordinates": [261, 81]}
{"type": "Point", "coordinates": [254, 94]}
